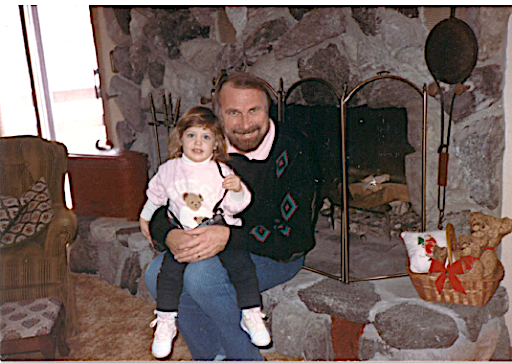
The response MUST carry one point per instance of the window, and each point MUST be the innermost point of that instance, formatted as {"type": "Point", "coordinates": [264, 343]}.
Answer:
{"type": "Point", "coordinates": [17, 113]}
{"type": "Point", "coordinates": [64, 65]}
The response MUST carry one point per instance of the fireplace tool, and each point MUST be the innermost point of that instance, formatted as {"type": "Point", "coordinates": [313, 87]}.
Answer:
{"type": "Point", "coordinates": [451, 52]}
{"type": "Point", "coordinates": [168, 121]}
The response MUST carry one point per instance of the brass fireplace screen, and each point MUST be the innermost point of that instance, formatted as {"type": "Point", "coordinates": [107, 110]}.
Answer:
{"type": "Point", "coordinates": [281, 96]}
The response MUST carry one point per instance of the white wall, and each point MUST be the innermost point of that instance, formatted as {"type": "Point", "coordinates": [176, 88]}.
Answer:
{"type": "Point", "coordinates": [506, 256]}
{"type": "Point", "coordinates": [104, 44]}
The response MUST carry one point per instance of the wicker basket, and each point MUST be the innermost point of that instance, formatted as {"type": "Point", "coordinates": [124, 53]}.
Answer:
{"type": "Point", "coordinates": [478, 293]}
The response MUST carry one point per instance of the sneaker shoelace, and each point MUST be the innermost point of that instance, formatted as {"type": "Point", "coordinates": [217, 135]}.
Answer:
{"type": "Point", "coordinates": [251, 317]}
{"type": "Point", "coordinates": [164, 328]}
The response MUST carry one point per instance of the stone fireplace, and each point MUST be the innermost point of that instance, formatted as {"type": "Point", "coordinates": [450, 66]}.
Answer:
{"type": "Point", "coordinates": [179, 51]}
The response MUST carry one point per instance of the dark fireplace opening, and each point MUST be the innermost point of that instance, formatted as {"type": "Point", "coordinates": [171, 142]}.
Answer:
{"type": "Point", "coordinates": [376, 145]}
{"type": "Point", "coordinates": [377, 142]}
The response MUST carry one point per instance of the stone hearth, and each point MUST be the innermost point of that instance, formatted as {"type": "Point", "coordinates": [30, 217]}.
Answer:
{"type": "Point", "coordinates": [318, 318]}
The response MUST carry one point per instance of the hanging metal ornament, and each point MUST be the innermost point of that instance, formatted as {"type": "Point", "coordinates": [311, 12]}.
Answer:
{"type": "Point", "coordinates": [451, 53]}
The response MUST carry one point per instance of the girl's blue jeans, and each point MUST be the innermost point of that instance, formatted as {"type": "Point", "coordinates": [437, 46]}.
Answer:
{"type": "Point", "coordinates": [209, 317]}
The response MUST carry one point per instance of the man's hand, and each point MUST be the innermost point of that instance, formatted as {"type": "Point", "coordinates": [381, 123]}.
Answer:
{"type": "Point", "coordinates": [197, 244]}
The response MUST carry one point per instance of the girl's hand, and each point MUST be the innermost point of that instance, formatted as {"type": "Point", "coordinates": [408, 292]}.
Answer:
{"type": "Point", "coordinates": [232, 182]}
{"type": "Point", "coordinates": [144, 228]}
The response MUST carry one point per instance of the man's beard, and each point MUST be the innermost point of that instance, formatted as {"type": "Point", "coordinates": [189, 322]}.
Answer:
{"type": "Point", "coordinates": [246, 145]}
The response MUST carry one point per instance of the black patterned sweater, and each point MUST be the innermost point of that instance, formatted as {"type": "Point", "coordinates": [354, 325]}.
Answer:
{"type": "Point", "coordinates": [279, 221]}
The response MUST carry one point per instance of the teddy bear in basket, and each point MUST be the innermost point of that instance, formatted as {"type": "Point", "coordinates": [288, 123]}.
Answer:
{"type": "Point", "coordinates": [478, 251]}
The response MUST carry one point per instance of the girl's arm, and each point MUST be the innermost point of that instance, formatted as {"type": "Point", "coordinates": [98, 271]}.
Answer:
{"type": "Point", "coordinates": [238, 196]}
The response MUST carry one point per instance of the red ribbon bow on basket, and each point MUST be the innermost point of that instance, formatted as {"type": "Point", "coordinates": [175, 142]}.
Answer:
{"type": "Point", "coordinates": [452, 271]}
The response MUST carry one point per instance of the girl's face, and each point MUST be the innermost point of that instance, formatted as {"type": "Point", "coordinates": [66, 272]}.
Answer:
{"type": "Point", "coordinates": [198, 143]}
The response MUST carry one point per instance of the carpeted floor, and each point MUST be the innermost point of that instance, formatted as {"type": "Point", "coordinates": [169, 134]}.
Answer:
{"type": "Point", "coordinates": [114, 326]}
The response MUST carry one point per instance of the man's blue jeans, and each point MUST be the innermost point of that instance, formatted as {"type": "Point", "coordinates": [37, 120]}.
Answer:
{"type": "Point", "coordinates": [209, 317]}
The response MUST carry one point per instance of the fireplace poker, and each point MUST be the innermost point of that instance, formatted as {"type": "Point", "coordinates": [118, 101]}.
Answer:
{"type": "Point", "coordinates": [442, 179]}
{"type": "Point", "coordinates": [166, 113]}
{"type": "Point", "coordinates": [155, 127]}
{"type": "Point", "coordinates": [176, 111]}
{"type": "Point", "coordinates": [171, 122]}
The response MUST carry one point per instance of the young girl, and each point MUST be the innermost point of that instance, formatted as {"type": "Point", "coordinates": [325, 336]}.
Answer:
{"type": "Point", "coordinates": [193, 181]}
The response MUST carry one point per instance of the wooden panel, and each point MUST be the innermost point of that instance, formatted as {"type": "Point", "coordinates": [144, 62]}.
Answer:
{"type": "Point", "coordinates": [110, 184]}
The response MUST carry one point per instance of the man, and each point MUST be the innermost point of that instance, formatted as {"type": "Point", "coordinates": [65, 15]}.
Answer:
{"type": "Point", "coordinates": [278, 229]}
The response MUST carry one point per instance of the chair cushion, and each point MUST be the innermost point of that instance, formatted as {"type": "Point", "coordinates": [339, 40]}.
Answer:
{"type": "Point", "coordinates": [25, 319]}
{"type": "Point", "coordinates": [9, 209]}
{"type": "Point", "coordinates": [25, 217]}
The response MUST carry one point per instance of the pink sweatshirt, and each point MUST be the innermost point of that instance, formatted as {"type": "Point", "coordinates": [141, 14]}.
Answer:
{"type": "Point", "coordinates": [193, 189]}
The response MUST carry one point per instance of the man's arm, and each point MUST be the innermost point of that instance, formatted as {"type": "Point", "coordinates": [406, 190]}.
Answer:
{"type": "Point", "coordinates": [189, 246]}
{"type": "Point", "coordinates": [197, 244]}
{"type": "Point", "coordinates": [159, 227]}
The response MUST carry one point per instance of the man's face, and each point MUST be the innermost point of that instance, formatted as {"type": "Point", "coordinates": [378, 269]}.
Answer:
{"type": "Point", "coordinates": [244, 116]}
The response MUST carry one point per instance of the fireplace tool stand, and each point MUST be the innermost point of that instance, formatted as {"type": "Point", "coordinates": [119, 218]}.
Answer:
{"type": "Point", "coordinates": [170, 119]}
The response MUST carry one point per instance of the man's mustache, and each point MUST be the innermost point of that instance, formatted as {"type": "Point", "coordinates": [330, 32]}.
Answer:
{"type": "Point", "coordinates": [246, 131]}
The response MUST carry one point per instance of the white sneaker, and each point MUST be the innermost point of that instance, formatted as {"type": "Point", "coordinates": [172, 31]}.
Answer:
{"type": "Point", "coordinates": [252, 323]}
{"type": "Point", "coordinates": [164, 333]}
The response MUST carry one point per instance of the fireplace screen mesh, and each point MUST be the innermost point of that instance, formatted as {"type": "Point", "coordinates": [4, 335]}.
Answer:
{"type": "Point", "coordinates": [378, 203]}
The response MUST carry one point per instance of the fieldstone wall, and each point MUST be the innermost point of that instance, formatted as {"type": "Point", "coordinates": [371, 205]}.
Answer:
{"type": "Point", "coordinates": [181, 50]}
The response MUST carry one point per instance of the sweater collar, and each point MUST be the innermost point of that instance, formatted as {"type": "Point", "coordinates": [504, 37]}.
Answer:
{"type": "Point", "coordinates": [263, 151]}
{"type": "Point", "coordinates": [186, 160]}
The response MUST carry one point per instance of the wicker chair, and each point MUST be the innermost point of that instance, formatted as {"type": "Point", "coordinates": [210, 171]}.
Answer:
{"type": "Point", "coordinates": [38, 267]}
